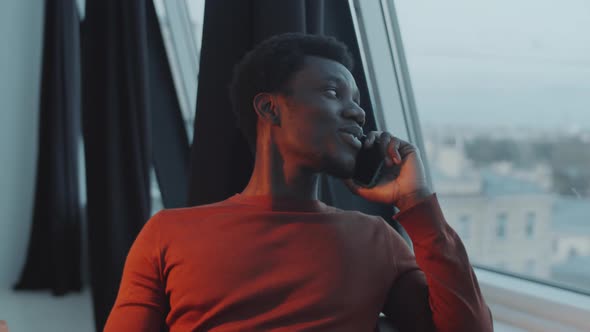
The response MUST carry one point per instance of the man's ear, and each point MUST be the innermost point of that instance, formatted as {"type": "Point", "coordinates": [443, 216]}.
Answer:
{"type": "Point", "coordinates": [267, 107]}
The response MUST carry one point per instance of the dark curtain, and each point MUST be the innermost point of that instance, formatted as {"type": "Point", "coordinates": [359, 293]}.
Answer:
{"type": "Point", "coordinates": [222, 169]}
{"type": "Point", "coordinates": [127, 87]}
{"type": "Point", "coordinates": [53, 257]}
{"type": "Point", "coordinates": [169, 138]}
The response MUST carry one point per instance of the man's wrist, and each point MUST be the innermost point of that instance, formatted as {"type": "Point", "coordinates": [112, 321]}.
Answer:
{"type": "Point", "coordinates": [409, 200]}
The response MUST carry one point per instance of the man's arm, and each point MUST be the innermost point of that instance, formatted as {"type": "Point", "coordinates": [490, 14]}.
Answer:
{"type": "Point", "coordinates": [443, 295]}
{"type": "Point", "coordinates": [141, 302]}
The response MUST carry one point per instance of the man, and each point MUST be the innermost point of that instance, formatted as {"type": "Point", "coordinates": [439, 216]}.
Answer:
{"type": "Point", "coordinates": [274, 257]}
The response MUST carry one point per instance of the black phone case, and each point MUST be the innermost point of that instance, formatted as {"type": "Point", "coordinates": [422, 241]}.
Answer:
{"type": "Point", "coordinates": [369, 163]}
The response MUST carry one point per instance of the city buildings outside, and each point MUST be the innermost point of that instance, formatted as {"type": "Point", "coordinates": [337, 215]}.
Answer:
{"type": "Point", "coordinates": [510, 216]}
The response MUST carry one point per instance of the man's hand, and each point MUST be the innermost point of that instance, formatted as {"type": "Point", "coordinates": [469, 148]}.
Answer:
{"type": "Point", "coordinates": [3, 326]}
{"type": "Point", "coordinates": [402, 181]}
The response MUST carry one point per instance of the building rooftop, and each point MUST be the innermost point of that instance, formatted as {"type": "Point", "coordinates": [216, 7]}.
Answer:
{"type": "Point", "coordinates": [485, 183]}
{"type": "Point", "coordinates": [499, 185]}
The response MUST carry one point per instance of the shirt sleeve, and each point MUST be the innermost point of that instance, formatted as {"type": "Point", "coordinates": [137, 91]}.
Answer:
{"type": "Point", "coordinates": [443, 293]}
{"type": "Point", "coordinates": [141, 302]}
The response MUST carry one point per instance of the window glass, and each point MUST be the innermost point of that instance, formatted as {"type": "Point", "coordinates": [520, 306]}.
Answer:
{"type": "Point", "coordinates": [530, 266]}
{"type": "Point", "coordinates": [530, 225]}
{"type": "Point", "coordinates": [502, 93]}
{"type": "Point", "coordinates": [181, 24]}
{"type": "Point", "coordinates": [501, 221]}
{"type": "Point", "coordinates": [465, 227]}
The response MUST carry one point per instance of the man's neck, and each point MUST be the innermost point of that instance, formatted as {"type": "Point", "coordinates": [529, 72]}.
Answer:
{"type": "Point", "coordinates": [272, 176]}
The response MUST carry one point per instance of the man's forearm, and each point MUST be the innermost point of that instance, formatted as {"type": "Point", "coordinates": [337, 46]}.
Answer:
{"type": "Point", "coordinates": [455, 298]}
{"type": "Point", "coordinates": [410, 200]}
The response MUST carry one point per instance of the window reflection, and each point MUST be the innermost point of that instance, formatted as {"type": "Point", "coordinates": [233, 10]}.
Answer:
{"type": "Point", "coordinates": [181, 25]}
{"type": "Point", "coordinates": [501, 225]}
{"type": "Point", "coordinates": [530, 225]}
{"type": "Point", "coordinates": [465, 227]}
{"type": "Point", "coordinates": [501, 90]}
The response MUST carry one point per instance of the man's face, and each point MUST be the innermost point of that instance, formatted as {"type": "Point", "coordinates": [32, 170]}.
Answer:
{"type": "Point", "coordinates": [318, 116]}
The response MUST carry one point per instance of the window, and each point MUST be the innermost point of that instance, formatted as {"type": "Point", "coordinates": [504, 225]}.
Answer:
{"type": "Point", "coordinates": [181, 24]}
{"type": "Point", "coordinates": [498, 87]}
{"type": "Point", "coordinates": [529, 266]}
{"type": "Point", "coordinates": [530, 225]}
{"type": "Point", "coordinates": [501, 220]}
{"type": "Point", "coordinates": [501, 90]}
{"type": "Point", "coordinates": [464, 227]}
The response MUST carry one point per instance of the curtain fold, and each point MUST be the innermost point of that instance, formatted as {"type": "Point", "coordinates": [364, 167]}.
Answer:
{"type": "Point", "coordinates": [127, 87]}
{"type": "Point", "coordinates": [116, 126]}
{"type": "Point", "coordinates": [169, 138]}
{"type": "Point", "coordinates": [53, 256]}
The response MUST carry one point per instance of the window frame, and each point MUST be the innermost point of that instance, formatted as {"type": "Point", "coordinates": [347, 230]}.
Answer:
{"type": "Point", "coordinates": [183, 55]}
{"type": "Point", "coordinates": [402, 118]}
{"type": "Point", "coordinates": [515, 300]}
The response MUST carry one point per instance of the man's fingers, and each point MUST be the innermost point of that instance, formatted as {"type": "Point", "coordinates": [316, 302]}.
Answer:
{"type": "Point", "coordinates": [403, 148]}
{"type": "Point", "coordinates": [371, 138]}
{"type": "Point", "coordinates": [393, 148]}
{"type": "Point", "coordinates": [385, 141]}
{"type": "Point", "coordinates": [406, 149]}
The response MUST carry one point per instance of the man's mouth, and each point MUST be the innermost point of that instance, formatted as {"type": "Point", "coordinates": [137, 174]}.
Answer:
{"type": "Point", "coordinates": [352, 140]}
{"type": "Point", "coordinates": [354, 130]}
{"type": "Point", "coordinates": [353, 135]}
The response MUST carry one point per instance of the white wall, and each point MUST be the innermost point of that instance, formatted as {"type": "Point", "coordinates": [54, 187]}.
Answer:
{"type": "Point", "coordinates": [21, 24]}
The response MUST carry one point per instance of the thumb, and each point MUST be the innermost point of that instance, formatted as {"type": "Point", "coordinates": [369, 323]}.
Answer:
{"type": "Point", "coordinates": [355, 188]}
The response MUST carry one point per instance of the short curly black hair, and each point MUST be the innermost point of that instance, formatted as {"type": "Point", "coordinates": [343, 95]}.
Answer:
{"type": "Point", "coordinates": [270, 66]}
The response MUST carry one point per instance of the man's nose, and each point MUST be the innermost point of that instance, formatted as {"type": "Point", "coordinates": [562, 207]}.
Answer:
{"type": "Point", "coordinates": [355, 112]}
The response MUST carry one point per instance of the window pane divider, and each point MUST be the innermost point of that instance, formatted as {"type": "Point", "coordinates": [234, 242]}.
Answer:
{"type": "Point", "coordinates": [533, 306]}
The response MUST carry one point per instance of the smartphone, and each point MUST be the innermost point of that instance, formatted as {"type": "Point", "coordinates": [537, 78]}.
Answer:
{"type": "Point", "coordinates": [369, 162]}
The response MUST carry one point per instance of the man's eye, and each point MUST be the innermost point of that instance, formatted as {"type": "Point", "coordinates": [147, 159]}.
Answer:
{"type": "Point", "coordinates": [332, 93]}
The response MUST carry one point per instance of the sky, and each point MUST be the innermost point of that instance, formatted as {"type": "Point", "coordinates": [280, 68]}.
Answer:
{"type": "Point", "coordinates": [501, 62]}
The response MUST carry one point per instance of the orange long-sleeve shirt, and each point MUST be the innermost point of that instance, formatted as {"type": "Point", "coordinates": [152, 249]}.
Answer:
{"type": "Point", "coordinates": [250, 263]}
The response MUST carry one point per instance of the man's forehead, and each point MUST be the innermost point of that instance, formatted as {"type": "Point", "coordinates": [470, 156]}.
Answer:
{"type": "Point", "coordinates": [328, 70]}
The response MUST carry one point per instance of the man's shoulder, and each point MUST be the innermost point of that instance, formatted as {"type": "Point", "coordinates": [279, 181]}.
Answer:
{"type": "Point", "coordinates": [200, 212]}
{"type": "Point", "coordinates": [352, 212]}
{"type": "Point", "coordinates": [193, 212]}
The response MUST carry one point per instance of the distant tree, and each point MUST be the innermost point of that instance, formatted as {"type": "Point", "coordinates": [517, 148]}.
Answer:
{"type": "Point", "coordinates": [570, 165]}
{"type": "Point", "coordinates": [568, 158]}
{"type": "Point", "coordinates": [484, 151]}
